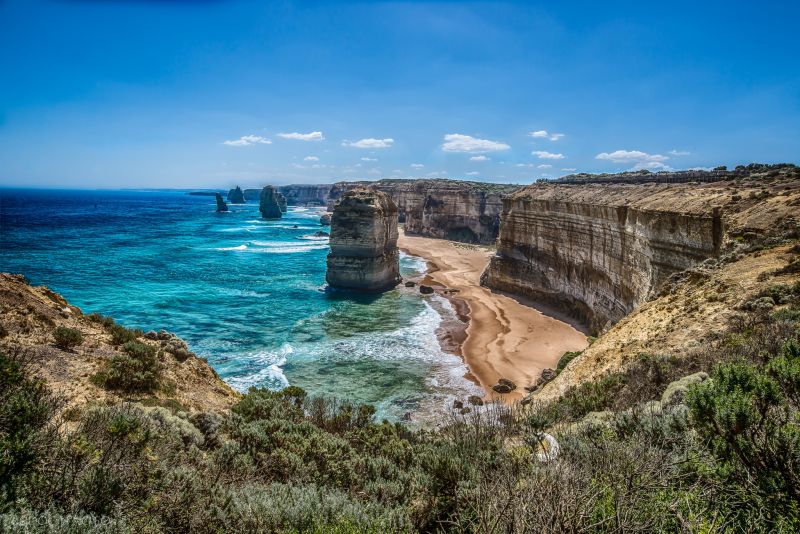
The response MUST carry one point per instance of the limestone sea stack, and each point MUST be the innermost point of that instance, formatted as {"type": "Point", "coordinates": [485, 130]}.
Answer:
{"type": "Point", "coordinates": [236, 196]}
{"type": "Point", "coordinates": [282, 202]}
{"type": "Point", "coordinates": [363, 242]}
{"type": "Point", "coordinates": [221, 206]}
{"type": "Point", "coordinates": [268, 203]}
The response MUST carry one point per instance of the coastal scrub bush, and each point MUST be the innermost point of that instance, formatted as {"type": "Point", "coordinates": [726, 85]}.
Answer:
{"type": "Point", "coordinates": [136, 370]}
{"type": "Point", "coordinates": [566, 358]}
{"type": "Point", "coordinates": [121, 335]}
{"type": "Point", "coordinates": [67, 338]}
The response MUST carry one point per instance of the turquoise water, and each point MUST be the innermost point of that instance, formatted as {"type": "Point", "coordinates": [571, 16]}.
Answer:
{"type": "Point", "coordinates": [245, 293]}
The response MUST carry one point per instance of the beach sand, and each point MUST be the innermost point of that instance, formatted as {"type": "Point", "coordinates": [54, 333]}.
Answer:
{"type": "Point", "coordinates": [506, 337]}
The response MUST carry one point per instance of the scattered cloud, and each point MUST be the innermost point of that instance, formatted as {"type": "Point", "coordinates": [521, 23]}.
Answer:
{"type": "Point", "coordinates": [436, 173]}
{"type": "Point", "coordinates": [311, 158]}
{"type": "Point", "coordinates": [679, 152]}
{"type": "Point", "coordinates": [524, 165]}
{"type": "Point", "coordinates": [569, 169]}
{"type": "Point", "coordinates": [467, 143]}
{"type": "Point", "coordinates": [479, 158]}
{"type": "Point", "coordinates": [370, 143]}
{"type": "Point", "coordinates": [473, 173]}
{"type": "Point", "coordinates": [639, 159]}
{"type": "Point", "coordinates": [369, 159]}
{"type": "Point", "coordinates": [417, 165]}
{"type": "Point", "coordinates": [247, 140]}
{"type": "Point", "coordinates": [544, 134]}
{"type": "Point", "coordinates": [543, 154]}
{"type": "Point", "coordinates": [311, 136]}
{"type": "Point", "coordinates": [544, 166]}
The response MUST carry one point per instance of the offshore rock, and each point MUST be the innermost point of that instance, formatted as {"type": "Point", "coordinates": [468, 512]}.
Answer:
{"type": "Point", "coordinates": [325, 219]}
{"type": "Point", "coordinates": [363, 242]}
{"type": "Point", "coordinates": [236, 196]}
{"type": "Point", "coordinates": [281, 202]}
{"type": "Point", "coordinates": [221, 206]}
{"type": "Point", "coordinates": [268, 203]}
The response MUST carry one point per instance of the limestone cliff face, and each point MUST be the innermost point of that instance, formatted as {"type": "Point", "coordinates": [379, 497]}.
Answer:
{"type": "Point", "coordinates": [448, 209]}
{"type": "Point", "coordinates": [306, 194]}
{"type": "Point", "coordinates": [221, 206]}
{"type": "Point", "coordinates": [268, 203]}
{"type": "Point", "coordinates": [363, 242]}
{"type": "Point", "coordinates": [236, 196]}
{"type": "Point", "coordinates": [599, 251]}
{"type": "Point", "coordinates": [282, 202]}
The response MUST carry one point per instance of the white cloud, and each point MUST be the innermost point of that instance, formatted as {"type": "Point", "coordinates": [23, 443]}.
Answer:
{"type": "Point", "coordinates": [369, 159]}
{"type": "Point", "coordinates": [247, 140]}
{"type": "Point", "coordinates": [639, 159]}
{"type": "Point", "coordinates": [417, 165]}
{"type": "Point", "coordinates": [311, 136]}
{"type": "Point", "coordinates": [479, 158]}
{"type": "Point", "coordinates": [544, 134]}
{"type": "Point", "coordinates": [544, 166]}
{"type": "Point", "coordinates": [524, 165]}
{"type": "Point", "coordinates": [679, 152]}
{"type": "Point", "coordinates": [311, 158]}
{"type": "Point", "coordinates": [370, 143]}
{"type": "Point", "coordinates": [436, 173]}
{"type": "Point", "coordinates": [542, 154]}
{"type": "Point", "coordinates": [569, 169]}
{"type": "Point", "coordinates": [473, 173]}
{"type": "Point", "coordinates": [467, 143]}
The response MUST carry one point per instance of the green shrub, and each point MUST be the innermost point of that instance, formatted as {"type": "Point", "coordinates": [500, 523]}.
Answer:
{"type": "Point", "coordinates": [136, 370]}
{"type": "Point", "coordinates": [121, 335]}
{"type": "Point", "coordinates": [107, 322]}
{"type": "Point", "coordinates": [67, 338]}
{"type": "Point", "coordinates": [566, 358]}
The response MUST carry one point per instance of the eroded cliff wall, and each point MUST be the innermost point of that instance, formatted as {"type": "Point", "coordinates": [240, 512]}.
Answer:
{"type": "Point", "coordinates": [447, 209]}
{"type": "Point", "coordinates": [598, 252]}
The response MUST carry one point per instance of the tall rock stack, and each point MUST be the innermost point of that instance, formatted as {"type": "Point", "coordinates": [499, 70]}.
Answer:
{"type": "Point", "coordinates": [221, 206]}
{"type": "Point", "coordinates": [236, 196]}
{"type": "Point", "coordinates": [363, 242]}
{"type": "Point", "coordinates": [282, 202]}
{"type": "Point", "coordinates": [268, 203]}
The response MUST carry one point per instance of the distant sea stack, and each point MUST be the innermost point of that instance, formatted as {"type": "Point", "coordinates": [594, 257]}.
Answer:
{"type": "Point", "coordinates": [363, 242]}
{"type": "Point", "coordinates": [221, 206]}
{"type": "Point", "coordinates": [281, 202]}
{"type": "Point", "coordinates": [236, 196]}
{"type": "Point", "coordinates": [268, 203]}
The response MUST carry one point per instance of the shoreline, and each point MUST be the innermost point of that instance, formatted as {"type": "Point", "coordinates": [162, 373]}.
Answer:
{"type": "Point", "coordinates": [500, 336]}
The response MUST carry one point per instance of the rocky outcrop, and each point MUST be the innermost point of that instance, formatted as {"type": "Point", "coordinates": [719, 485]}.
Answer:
{"type": "Point", "coordinates": [282, 202]}
{"type": "Point", "coordinates": [268, 203]}
{"type": "Point", "coordinates": [325, 219]}
{"type": "Point", "coordinates": [221, 206]}
{"type": "Point", "coordinates": [599, 251]}
{"type": "Point", "coordinates": [306, 194]}
{"type": "Point", "coordinates": [447, 209]}
{"type": "Point", "coordinates": [363, 242]}
{"type": "Point", "coordinates": [236, 196]}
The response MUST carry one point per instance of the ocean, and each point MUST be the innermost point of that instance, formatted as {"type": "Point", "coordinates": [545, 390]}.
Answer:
{"type": "Point", "coordinates": [247, 294]}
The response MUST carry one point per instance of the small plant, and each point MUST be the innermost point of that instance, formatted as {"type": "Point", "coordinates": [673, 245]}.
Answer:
{"type": "Point", "coordinates": [136, 370]}
{"type": "Point", "coordinates": [566, 358]}
{"type": "Point", "coordinates": [67, 338]}
{"type": "Point", "coordinates": [107, 322]}
{"type": "Point", "coordinates": [121, 335]}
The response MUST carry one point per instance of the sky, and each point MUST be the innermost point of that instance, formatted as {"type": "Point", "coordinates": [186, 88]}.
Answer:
{"type": "Point", "coordinates": [214, 93]}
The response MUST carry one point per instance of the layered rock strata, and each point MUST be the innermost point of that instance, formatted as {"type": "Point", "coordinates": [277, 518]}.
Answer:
{"type": "Point", "coordinates": [599, 251]}
{"type": "Point", "coordinates": [306, 194]}
{"type": "Point", "coordinates": [221, 206]}
{"type": "Point", "coordinates": [282, 202]}
{"type": "Point", "coordinates": [363, 242]}
{"type": "Point", "coordinates": [447, 209]}
{"type": "Point", "coordinates": [268, 203]}
{"type": "Point", "coordinates": [236, 196]}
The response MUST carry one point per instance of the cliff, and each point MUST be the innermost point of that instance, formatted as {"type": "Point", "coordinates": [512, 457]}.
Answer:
{"type": "Point", "coordinates": [599, 251]}
{"type": "Point", "coordinates": [29, 317]}
{"type": "Point", "coordinates": [236, 196]}
{"type": "Point", "coordinates": [306, 194]}
{"type": "Point", "coordinates": [281, 202]}
{"type": "Point", "coordinates": [363, 242]}
{"type": "Point", "coordinates": [221, 206]}
{"type": "Point", "coordinates": [268, 203]}
{"type": "Point", "coordinates": [447, 209]}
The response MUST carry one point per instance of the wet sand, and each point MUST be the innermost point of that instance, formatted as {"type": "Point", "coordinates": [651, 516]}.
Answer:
{"type": "Point", "coordinates": [505, 337]}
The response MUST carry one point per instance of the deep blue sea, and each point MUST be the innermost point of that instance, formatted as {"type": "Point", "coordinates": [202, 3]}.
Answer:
{"type": "Point", "coordinates": [245, 293]}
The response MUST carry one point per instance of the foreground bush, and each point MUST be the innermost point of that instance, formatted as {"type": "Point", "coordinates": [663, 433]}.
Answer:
{"type": "Point", "coordinates": [136, 370]}
{"type": "Point", "coordinates": [67, 338]}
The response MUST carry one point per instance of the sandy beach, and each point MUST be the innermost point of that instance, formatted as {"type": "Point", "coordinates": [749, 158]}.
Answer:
{"type": "Point", "coordinates": [505, 338]}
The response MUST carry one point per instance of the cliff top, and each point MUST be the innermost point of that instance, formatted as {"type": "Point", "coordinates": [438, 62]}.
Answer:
{"type": "Point", "coordinates": [759, 202]}
{"type": "Point", "coordinates": [439, 183]}
{"type": "Point", "coordinates": [364, 199]}
{"type": "Point", "coordinates": [30, 317]}
{"type": "Point", "coordinates": [749, 172]}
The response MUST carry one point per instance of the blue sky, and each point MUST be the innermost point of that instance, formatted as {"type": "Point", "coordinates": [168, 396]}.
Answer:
{"type": "Point", "coordinates": [171, 93]}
